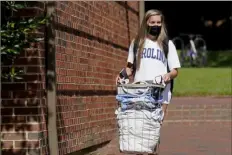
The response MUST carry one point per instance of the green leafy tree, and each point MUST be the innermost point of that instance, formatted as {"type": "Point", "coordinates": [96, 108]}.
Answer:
{"type": "Point", "coordinates": [17, 34]}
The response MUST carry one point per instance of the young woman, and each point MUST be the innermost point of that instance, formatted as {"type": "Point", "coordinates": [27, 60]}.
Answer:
{"type": "Point", "coordinates": [151, 59]}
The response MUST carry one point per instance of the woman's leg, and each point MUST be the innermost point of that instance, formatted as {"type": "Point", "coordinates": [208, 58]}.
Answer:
{"type": "Point", "coordinates": [164, 107]}
{"type": "Point", "coordinates": [157, 149]}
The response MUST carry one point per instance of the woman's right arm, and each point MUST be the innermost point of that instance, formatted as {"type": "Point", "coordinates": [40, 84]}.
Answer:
{"type": "Point", "coordinates": [130, 59]}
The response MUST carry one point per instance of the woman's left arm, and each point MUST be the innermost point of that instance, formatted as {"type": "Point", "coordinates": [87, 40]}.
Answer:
{"type": "Point", "coordinates": [174, 73]}
{"type": "Point", "coordinates": [171, 75]}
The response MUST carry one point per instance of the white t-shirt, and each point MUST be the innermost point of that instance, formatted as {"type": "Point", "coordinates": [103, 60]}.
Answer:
{"type": "Point", "coordinates": [153, 63]}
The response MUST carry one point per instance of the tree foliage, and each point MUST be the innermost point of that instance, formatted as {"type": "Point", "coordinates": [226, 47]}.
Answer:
{"type": "Point", "coordinates": [17, 34]}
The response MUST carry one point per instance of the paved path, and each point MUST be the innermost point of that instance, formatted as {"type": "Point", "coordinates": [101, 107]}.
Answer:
{"type": "Point", "coordinates": [213, 138]}
{"type": "Point", "coordinates": [205, 100]}
{"type": "Point", "coordinates": [209, 139]}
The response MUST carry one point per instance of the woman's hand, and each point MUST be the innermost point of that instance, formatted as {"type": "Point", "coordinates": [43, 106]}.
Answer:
{"type": "Point", "coordinates": [117, 79]}
{"type": "Point", "coordinates": [171, 75]}
{"type": "Point", "coordinates": [167, 78]}
{"type": "Point", "coordinates": [128, 72]}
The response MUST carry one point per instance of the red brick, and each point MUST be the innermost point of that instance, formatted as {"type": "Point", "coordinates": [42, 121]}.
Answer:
{"type": "Point", "coordinates": [27, 111]}
{"type": "Point", "coordinates": [30, 61]}
{"type": "Point", "coordinates": [35, 69]}
{"type": "Point", "coordinates": [21, 102]}
{"type": "Point", "coordinates": [29, 127]}
{"type": "Point", "coordinates": [13, 136]}
{"type": "Point", "coordinates": [35, 86]}
{"type": "Point", "coordinates": [14, 151]}
{"type": "Point", "coordinates": [7, 144]}
{"type": "Point", "coordinates": [7, 128]}
{"type": "Point", "coordinates": [26, 144]}
{"type": "Point", "coordinates": [33, 78]}
{"type": "Point", "coordinates": [6, 94]}
{"type": "Point", "coordinates": [13, 119]}
{"type": "Point", "coordinates": [35, 53]}
{"type": "Point", "coordinates": [12, 86]}
{"type": "Point", "coordinates": [6, 111]}
{"type": "Point", "coordinates": [28, 94]}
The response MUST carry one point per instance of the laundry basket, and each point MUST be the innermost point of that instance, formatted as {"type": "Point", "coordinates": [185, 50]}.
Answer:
{"type": "Point", "coordinates": [138, 116]}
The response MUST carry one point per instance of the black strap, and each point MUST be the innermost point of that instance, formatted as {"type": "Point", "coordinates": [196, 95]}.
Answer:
{"type": "Point", "coordinates": [171, 82]}
{"type": "Point", "coordinates": [166, 48]}
{"type": "Point", "coordinates": [135, 53]}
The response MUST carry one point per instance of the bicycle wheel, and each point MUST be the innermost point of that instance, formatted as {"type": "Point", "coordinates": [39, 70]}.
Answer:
{"type": "Point", "coordinates": [201, 51]}
{"type": "Point", "coordinates": [179, 43]}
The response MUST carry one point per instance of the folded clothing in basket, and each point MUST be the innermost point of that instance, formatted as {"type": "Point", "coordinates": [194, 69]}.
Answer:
{"type": "Point", "coordinates": [139, 130]}
{"type": "Point", "coordinates": [155, 115]}
{"type": "Point", "coordinates": [129, 101]}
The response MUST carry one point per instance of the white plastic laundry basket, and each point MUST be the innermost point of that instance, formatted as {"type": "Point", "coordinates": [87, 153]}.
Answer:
{"type": "Point", "coordinates": [139, 129]}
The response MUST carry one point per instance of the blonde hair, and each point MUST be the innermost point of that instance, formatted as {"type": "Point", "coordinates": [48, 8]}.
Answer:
{"type": "Point", "coordinates": [142, 34]}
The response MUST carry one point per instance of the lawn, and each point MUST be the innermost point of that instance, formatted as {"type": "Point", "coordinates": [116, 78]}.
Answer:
{"type": "Point", "coordinates": [203, 81]}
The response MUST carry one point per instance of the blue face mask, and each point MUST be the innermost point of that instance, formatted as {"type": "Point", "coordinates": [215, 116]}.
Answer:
{"type": "Point", "coordinates": [154, 30]}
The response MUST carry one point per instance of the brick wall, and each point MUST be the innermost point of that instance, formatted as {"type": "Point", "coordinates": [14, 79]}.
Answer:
{"type": "Point", "coordinates": [23, 106]}
{"type": "Point", "coordinates": [92, 40]}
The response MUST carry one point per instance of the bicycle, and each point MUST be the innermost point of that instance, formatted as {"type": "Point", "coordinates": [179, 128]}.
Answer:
{"type": "Point", "coordinates": [194, 52]}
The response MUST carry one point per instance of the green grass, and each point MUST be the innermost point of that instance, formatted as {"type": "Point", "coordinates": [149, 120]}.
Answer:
{"type": "Point", "coordinates": [203, 82]}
